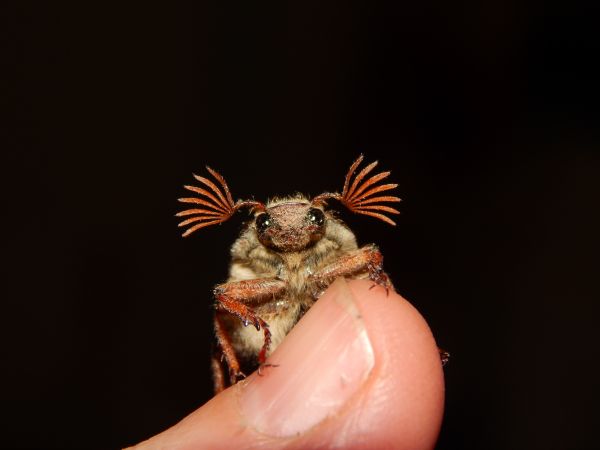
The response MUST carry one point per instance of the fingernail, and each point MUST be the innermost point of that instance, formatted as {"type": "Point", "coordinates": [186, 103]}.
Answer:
{"type": "Point", "coordinates": [324, 360]}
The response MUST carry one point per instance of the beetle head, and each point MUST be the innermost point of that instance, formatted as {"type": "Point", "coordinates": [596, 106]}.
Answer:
{"type": "Point", "coordinates": [290, 225]}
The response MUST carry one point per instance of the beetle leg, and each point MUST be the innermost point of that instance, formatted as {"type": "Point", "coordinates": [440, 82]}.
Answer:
{"type": "Point", "coordinates": [444, 356]}
{"type": "Point", "coordinates": [227, 352]}
{"type": "Point", "coordinates": [232, 296]}
{"type": "Point", "coordinates": [262, 367]}
{"type": "Point", "coordinates": [217, 371]}
{"type": "Point", "coordinates": [367, 258]}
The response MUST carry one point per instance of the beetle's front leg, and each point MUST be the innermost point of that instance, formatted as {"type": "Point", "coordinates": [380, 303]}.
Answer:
{"type": "Point", "coordinates": [233, 296]}
{"type": "Point", "coordinates": [367, 258]}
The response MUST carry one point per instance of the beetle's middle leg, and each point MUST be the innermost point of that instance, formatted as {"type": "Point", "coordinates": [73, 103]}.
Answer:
{"type": "Point", "coordinates": [233, 296]}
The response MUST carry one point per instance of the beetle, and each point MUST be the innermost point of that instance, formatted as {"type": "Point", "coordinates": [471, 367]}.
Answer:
{"type": "Point", "coordinates": [282, 261]}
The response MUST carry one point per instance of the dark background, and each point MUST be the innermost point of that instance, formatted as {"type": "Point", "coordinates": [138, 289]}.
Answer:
{"type": "Point", "coordinates": [486, 113]}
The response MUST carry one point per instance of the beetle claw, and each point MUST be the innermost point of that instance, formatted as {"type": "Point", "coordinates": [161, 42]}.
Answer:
{"type": "Point", "coordinates": [263, 366]}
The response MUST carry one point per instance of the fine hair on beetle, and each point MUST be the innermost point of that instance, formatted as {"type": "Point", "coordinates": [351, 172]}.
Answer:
{"type": "Point", "coordinates": [285, 257]}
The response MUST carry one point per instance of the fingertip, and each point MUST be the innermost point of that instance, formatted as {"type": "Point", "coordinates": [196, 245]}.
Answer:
{"type": "Point", "coordinates": [405, 400]}
{"type": "Point", "coordinates": [397, 402]}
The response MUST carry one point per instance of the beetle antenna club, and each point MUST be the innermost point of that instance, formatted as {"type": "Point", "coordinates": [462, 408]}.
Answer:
{"type": "Point", "coordinates": [358, 198]}
{"type": "Point", "coordinates": [219, 208]}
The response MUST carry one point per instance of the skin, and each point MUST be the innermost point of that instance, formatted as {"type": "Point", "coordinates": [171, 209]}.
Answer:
{"type": "Point", "coordinates": [398, 404]}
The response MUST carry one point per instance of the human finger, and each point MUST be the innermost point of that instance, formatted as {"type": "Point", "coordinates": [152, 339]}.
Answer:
{"type": "Point", "coordinates": [360, 370]}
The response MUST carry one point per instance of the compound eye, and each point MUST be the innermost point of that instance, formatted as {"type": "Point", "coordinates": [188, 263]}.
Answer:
{"type": "Point", "coordinates": [316, 216]}
{"type": "Point", "coordinates": [263, 222]}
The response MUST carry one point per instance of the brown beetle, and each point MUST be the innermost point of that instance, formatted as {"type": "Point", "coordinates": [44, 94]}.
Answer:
{"type": "Point", "coordinates": [282, 261]}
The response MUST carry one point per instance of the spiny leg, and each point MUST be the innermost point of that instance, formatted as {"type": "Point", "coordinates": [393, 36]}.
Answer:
{"type": "Point", "coordinates": [444, 356]}
{"type": "Point", "coordinates": [262, 367]}
{"type": "Point", "coordinates": [367, 258]}
{"type": "Point", "coordinates": [227, 352]}
{"type": "Point", "coordinates": [217, 371]}
{"type": "Point", "coordinates": [232, 296]}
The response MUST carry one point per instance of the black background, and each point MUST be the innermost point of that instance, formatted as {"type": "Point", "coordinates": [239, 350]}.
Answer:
{"type": "Point", "coordinates": [486, 113]}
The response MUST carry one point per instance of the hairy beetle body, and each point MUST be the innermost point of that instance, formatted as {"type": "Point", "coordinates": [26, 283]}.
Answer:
{"type": "Point", "coordinates": [282, 261]}
{"type": "Point", "coordinates": [252, 260]}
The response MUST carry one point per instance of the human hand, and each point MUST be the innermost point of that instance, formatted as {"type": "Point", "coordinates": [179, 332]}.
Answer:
{"type": "Point", "coordinates": [360, 370]}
